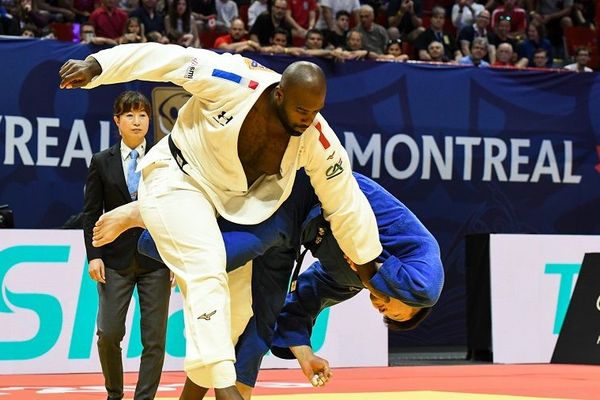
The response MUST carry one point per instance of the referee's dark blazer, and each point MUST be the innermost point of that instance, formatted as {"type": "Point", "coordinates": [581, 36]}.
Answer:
{"type": "Point", "coordinates": [105, 189]}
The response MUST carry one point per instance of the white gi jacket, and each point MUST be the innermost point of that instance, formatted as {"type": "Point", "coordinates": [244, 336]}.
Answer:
{"type": "Point", "coordinates": [224, 88]}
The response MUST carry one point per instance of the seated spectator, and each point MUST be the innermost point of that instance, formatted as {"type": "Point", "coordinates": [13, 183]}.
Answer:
{"type": "Point", "coordinates": [87, 35]}
{"type": "Point", "coordinates": [9, 25]}
{"type": "Point", "coordinates": [314, 46]}
{"type": "Point", "coordinates": [584, 13]}
{"type": "Point", "coordinates": [504, 56]}
{"type": "Point", "coordinates": [401, 15]}
{"type": "Point", "coordinates": [264, 27]}
{"type": "Point", "coordinates": [354, 49]}
{"type": "Point", "coordinates": [227, 11]}
{"type": "Point", "coordinates": [502, 33]}
{"type": "Point", "coordinates": [27, 14]}
{"type": "Point", "coordinates": [479, 47]}
{"type": "Point", "coordinates": [204, 13]}
{"type": "Point", "coordinates": [301, 16]}
{"type": "Point", "coordinates": [540, 58]}
{"type": "Point", "coordinates": [126, 5]}
{"type": "Point", "coordinates": [56, 10]}
{"type": "Point", "coordinates": [330, 8]}
{"type": "Point", "coordinates": [337, 37]}
{"type": "Point", "coordinates": [477, 30]}
{"type": "Point", "coordinates": [108, 20]}
{"type": "Point", "coordinates": [156, 37]}
{"type": "Point", "coordinates": [464, 13]}
{"type": "Point", "coordinates": [256, 8]}
{"type": "Point", "coordinates": [507, 58]}
{"type": "Point", "coordinates": [435, 32]}
{"type": "Point", "coordinates": [436, 53]}
{"type": "Point", "coordinates": [279, 44]}
{"type": "Point", "coordinates": [554, 16]}
{"type": "Point", "coordinates": [393, 51]}
{"type": "Point", "coordinates": [236, 41]}
{"type": "Point", "coordinates": [516, 16]}
{"type": "Point", "coordinates": [582, 58]}
{"type": "Point", "coordinates": [535, 39]}
{"type": "Point", "coordinates": [134, 32]}
{"type": "Point", "coordinates": [150, 17]}
{"type": "Point", "coordinates": [180, 26]}
{"type": "Point", "coordinates": [29, 31]}
{"type": "Point", "coordinates": [374, 36]}
{"type": "Point", "coordinates": [81, 8]}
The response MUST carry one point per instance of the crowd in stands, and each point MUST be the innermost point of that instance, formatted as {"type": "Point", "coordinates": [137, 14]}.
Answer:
{"type": "Point", "coordinates": [484, 33]}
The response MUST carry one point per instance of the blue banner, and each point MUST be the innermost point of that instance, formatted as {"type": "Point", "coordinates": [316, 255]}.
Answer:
{"type": "Point", "coordinates": [468, 150]}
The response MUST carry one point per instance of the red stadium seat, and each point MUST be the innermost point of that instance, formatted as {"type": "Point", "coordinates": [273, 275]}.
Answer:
{"type": "Point", "coordinates": [63, 31]}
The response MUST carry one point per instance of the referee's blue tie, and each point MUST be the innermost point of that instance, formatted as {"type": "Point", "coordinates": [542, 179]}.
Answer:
{"type": "Point", "coordinates": [133, 178]}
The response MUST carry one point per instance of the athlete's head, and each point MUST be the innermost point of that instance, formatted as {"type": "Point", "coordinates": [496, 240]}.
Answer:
{"type": "Point", "coordinates": [300, 95]}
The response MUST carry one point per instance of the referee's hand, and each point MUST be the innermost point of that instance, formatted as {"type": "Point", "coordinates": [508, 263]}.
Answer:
{"type": "Point", "coordinates": [96, 270]}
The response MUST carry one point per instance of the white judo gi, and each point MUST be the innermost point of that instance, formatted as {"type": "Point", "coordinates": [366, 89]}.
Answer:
{"type": "Point", "coordinates": [174, 205]}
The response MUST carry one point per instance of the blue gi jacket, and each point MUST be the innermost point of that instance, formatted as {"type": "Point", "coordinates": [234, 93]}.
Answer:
{"type": "Point", "coordinates": [411, 269]}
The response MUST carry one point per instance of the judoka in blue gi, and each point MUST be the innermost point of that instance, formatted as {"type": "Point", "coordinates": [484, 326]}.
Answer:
{"type": "Point", "coordinates": [405, 282]}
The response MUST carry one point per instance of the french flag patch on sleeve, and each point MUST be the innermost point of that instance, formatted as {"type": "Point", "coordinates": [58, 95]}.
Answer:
{"type": "Point", "coordinates": [230, 76]}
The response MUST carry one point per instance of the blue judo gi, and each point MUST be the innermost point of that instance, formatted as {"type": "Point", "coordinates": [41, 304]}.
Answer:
{"type": "Point", "coordinates": [411, 269]}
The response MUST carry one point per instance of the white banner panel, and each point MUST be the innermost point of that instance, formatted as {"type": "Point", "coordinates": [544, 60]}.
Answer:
{"type": "Point", "coordinates": [532, 279]}
{"type": "Point", "coordinates": [48, 307]}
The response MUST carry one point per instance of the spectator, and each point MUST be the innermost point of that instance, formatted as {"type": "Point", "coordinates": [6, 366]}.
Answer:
{"type": "Point", "coordinates": [156, 37]}
{"type": "Point", "coordinates": [393, 51]}
{"type": "Point", "coordinates": [134, 32]}
{"type": "Point", "coordinates": [204, 13]}
{"type": "Point", "coordinates": [256, 8]}
{"type": "Point", "coordinates": [314, 46]}
{"type": "Point", "coordinates": [355, 50]}
{"type": "Point", "coordinates": [56, 9]}
{"type": "Point", "coordinates": [337, 37]}
{"type": "Point", "coordinates": [279, 44]}
{"type": "Point", "coordinates": [81, 8]}
{"type": "Point", "coordinates": [582, 58]}
{"type": "Point", "coordinates": [436, 33]}
{"type": "Point", "coordinates": [180, 26]}
{"type": "Point", "coordinates": [29, 31]}
{"type": "Point", "coordinates": [236, 40]}
{"type": "Point", "coordinates": [108, 20]}
{"type": "Point", "coordinates": [504, 56]}
{"type": "Point", "coordinates": [464, 13]}
{"type": "Point", "coordinates": [330, 8]}
{"type": "Point", "coordinates": [517, 17]}
{"type": "Point", "coordinates": [301, 15]}
{"type": "Point", "coordinates": [540, 58]}
{"type": "Point", "coordinates": [401, 15]}
{"type": "Point", "coordinates": [477, 30]}
{"type": "Point", "coordinates": [227, 11]}
{"type": "Point", "coordinates": [150, 17]}
{"type": "Point", "coordinates": [126, 5]}
{"type": "Point", "coordinates": [87, 35]}
{"type": "Point", "coordinates": [555, 16]}
{"type": "Point", "coordinates": [502, 33]}
{"type": "Point", "coordinates": [479, 47]}
{"type": "Point", "coordinates": [436, 53]}
{"type": "Point", "coordinates": [584, 13]}
{"type": "Point", "coordinates": [535, 39]}
{"type": "Point", "coordinates": [374, 36]}
{"type": "Point", "coordinates": [264, 28]}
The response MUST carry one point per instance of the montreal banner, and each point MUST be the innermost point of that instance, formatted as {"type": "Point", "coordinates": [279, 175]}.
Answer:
{"type": "Point", "coordinates": [468, 150]}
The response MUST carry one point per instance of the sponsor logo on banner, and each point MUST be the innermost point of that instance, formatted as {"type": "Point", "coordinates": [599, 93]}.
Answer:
{"type": "Point", "coordinates": [50, 303]}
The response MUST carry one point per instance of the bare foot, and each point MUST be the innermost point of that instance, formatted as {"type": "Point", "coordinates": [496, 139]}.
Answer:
{"type": "Point", "coordinates": [111, 224]}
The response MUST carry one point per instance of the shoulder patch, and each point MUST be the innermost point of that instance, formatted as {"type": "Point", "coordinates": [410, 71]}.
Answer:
{"type": "Point", "coordinates": [322, 138]}
{"type": "Point", "coordinates": [251, 64]}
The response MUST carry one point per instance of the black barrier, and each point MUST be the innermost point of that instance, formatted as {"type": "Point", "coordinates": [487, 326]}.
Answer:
{"type": "Point", "coordinates": [579, 338]}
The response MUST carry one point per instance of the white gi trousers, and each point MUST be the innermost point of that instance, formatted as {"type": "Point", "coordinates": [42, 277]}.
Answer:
{"type": "Point", "coordinates": [182, 221]}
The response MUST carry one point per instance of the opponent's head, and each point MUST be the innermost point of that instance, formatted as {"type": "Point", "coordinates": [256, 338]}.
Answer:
{"type": "Point", "coordinates": [398, 315]}
{"type": "Point", "coordinates": [300, 95]}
